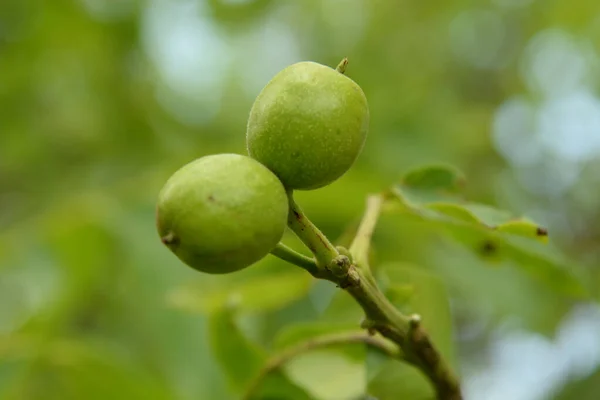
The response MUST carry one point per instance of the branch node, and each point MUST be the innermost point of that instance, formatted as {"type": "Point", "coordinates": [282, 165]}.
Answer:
{"type": "Point", "coordinates": [344, 251]}
{"type": "Point", "coordinates": [370, 326]}
{"type": "Point", "coordinates": [415, 321]}
{"type": "Point", "coordinates": [381, 316]}
{"type": "Point", "coordinates": [353, 277]}
{"type": "Point", "coordinates": [339, 266]}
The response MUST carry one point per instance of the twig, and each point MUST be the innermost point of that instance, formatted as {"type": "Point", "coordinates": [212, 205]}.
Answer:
{"type": "Point", "coordinates": [290, 255]}
{"type": "Point", "coordinates": [407, 332]}
{"type": "Point", "coordinates": [277, 361]}
{"type": "Point", "coordinates": [429, 360]}
{"type": "Point", "coordinates": [381, 315]}
{"type": "Point", "coordinates": [311, 236]}
{"type": "Point", "coordinates": [362, 241]}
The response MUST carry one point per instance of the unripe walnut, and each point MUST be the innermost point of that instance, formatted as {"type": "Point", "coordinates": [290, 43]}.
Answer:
{"type": "Point", "coordinates": [222, 213]}
{"type": "Point", "coordinates": [308, 125]}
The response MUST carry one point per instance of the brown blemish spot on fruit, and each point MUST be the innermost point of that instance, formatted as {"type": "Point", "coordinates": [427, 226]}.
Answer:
{"type": "Point", "coordinates": [211, 198]}
{"type": "Point", "coordinates": [296, 214]}
{"type": "Point", "coordinates": [541, 231]}
{"type": "Point", "coordinates": [169, 239]}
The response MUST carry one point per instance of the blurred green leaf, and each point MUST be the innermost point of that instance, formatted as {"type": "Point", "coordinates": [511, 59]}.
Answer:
{"type": "Point", "coordinates": [338, 359]}
{"type": "Point", "coordinates": [400, 381]}
{"type": "Point", "coordinates": [428, 298]}
{"type": "Point", "coordinates": [586, 388]}
{"type": "Point", "coordinates": [277, 386]}
{"type": "Point", "coordinates": [502, 293]}
{"type": "Point", "coordinates": [343, 309]}
{"type": "Point", "coordinates": [453, 210]}
{"type": "Point", "coordinates": [240, 359]}
{"type": "Point", "coordinates": [342, 362]}
{"type": "Point", "coordinates": [322, 293]}
{"type": "Point", "coordinates": [80, 372]}
{"type": "Point", "coordinates": [437, 188]}
{"type": "Point", "coordinates": [433, 181]}
{"type": "Point", "coordinates": [80, 369]}
{"type": "Point", "coordinates": [428, 184]}
{"type": "Point", "coordinates": [256, 294]}
{"type": "Point", "coordinates": [487, 215]}
{"type": "Point", "coordinates": [524, 228]}
{"type": "Point", "coordinates": [490, 233]}
{"type": "Point", "coordinates": [301, 332]}
{"type": "Point", "coordinates": [90, 254]}
{"type": "Point", "coordinates": [525, 253]}
{"type": "Point", "coordinates": [237, 14]}
{"type": "Point", "coordinates": [328, 374]}
{"type": "Point", "coordinates": [399, 293]}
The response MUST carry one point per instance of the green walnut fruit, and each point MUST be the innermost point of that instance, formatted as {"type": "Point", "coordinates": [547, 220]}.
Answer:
{"type": "Point", "coordinates": [222, 213]}
{"type": "Point", "coordinates": [308, 125]}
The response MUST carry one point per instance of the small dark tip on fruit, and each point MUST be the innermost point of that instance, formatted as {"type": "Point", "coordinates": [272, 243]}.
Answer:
{"type": "Point", "coordinates": [341, 68]}
{"type": "Point", "coordinates": [169, 239]}
{"type": "Point", "coordinates": [541, 231]}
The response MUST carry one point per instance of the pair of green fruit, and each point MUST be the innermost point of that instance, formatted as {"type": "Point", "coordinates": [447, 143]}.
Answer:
{"type": "Point", "coordinates": [221, 213]}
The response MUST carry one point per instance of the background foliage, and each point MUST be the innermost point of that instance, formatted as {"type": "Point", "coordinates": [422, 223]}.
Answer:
{"type": "Point", "coordinates": [100, 101]}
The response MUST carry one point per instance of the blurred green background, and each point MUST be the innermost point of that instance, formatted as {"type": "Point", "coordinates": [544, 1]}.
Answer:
{"type": "Point", "coordinates": [101, 100]}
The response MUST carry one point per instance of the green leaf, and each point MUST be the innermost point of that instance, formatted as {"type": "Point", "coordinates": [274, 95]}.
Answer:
{"type": "Point", "coordinates": [543, 266]}
{"type": "Point", "coordinates": [375, 361]}
{"type": "Point", "coordinates": [529, 255]}
{"type": "Point", "coordinates": [487, 215]}
{"type": "Point", "coordinates": [395, 380]}
{"type": "Point", "coordinates": [454, 211]}
{"type": "Point", "coordinates": [428, 184]}
{"type": "Point", "coordinates": [338, 361]}
{"type": "Point", "coordinates": [262, 293]}
{"type": "Point", "coordinates": [328, 374]}
{"type": "Point", "coordinates": [301, 332]}
{"type": "Point", "coordinates": [526, 228]}
{"type": "Point", "coordinates": [277, 386]}
{"type": "Point", "coordinates": [343, 309]}
{"type": "Point", "coordinates": [240, 359]}
{"type": "Point", "coordinates": [503, 292]}
{"type": "Point", "coordinates": [243, 361]}
{"type": "Point", "coordinates": [70, 369]}
{"type": "Point", "coordinates": [490, 264]}
{"type": "Point", "coordinates": [399, 294]}
{"type": "Point", "coordinates": [321, 294]}
{"type": "Point", "coordinates": [434, 178]}
{"type": "Point", "coordinates": [493, 235]}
